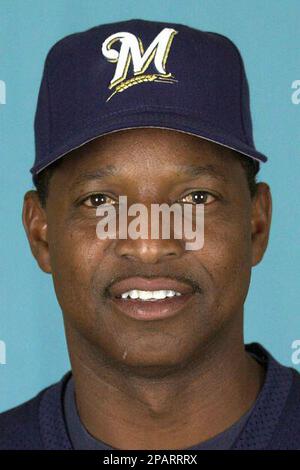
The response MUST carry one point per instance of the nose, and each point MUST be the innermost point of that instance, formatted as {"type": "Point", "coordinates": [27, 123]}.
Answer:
{"type": "Point", "coordinates": [148, 250]}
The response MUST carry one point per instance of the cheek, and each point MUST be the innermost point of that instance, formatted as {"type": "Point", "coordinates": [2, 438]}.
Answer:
{"type": "Point", "coordinates": [75, 254]}
{"type": "Point", "coordinates": [226, 257]}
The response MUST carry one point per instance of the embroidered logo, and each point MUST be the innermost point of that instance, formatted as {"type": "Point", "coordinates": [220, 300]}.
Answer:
{"type": "Point", "coordinates": [132, 51]}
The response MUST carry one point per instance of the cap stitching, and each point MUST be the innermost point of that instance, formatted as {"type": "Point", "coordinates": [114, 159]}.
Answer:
{"type": "Point", "coordinates": [50, 110]}
{"type": "Point", "coordinates": [241, 81]}
{"type": "Point", "coordinates": [242, 84]}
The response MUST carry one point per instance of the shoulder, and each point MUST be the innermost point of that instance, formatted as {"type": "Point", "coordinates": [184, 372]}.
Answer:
{"type": "Point", "coordinates": [277, 412]}
{"type": "Point", "coordinates": [286, 390]}
{"type": "Point", "coordinates": [288, 429]}
{"type": "Point", "coordinates": [20, 427]}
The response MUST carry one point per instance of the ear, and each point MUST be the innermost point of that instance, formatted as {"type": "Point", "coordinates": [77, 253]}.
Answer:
{"type": "Point", "coordinates": [35, 224]}
{"type": "Point", "coordinates": [260, 221]}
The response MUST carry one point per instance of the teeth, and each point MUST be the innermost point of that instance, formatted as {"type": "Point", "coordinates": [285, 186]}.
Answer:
{"type": "Point", "coordinates": [150, 295]}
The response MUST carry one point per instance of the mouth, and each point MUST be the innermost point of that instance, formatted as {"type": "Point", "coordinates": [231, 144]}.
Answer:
{"type": "Point", "coordinates": [154, 299]}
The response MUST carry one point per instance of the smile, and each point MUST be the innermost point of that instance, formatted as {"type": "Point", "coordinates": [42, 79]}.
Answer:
{"type": "Point", "coordinates": [147, 296]}
{"type": "Point", "coordinates": [155, 299]}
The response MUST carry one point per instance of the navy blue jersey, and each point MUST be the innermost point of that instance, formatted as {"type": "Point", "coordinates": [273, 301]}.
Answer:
{"type": "Point", "coordinates": [274, 422]}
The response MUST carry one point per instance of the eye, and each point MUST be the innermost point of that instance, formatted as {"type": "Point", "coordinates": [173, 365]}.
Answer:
{"type": "Point", "coordinates": [95, 200]}
{"type": "Point", "coordinates": [199, 197]}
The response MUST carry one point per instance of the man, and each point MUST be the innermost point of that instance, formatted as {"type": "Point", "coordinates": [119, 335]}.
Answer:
{"type": "Point", "coordinates": [158, 113]}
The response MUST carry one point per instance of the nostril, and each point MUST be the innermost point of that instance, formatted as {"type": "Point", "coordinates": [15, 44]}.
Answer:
{"type": "Point", "coordinates": [127, 256]}
{"type": "Point", "coordinates": [148, 251]}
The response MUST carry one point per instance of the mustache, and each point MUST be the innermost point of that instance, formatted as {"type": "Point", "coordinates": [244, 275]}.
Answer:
{"type": "Point", "coordinates": [180, 278]}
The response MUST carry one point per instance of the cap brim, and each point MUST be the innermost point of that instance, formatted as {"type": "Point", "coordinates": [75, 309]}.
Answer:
{"type": "Point", "coordinates": [180, 123]}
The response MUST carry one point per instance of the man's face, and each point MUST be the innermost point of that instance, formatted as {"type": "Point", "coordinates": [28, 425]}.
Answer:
{"type": "Point", "coordinates": [148, 166]}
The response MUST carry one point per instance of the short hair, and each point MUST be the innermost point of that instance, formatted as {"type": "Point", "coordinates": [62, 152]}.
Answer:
{"type": "Point", "coordinates": [42, 179]}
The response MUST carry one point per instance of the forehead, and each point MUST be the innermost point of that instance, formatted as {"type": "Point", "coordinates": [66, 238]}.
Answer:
{"type": "Point", "coordinates": [147, 147]}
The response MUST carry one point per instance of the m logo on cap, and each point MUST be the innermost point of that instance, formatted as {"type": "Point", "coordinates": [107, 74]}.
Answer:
{"type": "Point", "coordinates": [131, 50]}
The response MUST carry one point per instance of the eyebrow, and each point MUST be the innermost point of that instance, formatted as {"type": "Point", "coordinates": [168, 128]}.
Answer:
{"type": "Point", "coordinates": [198, 170]}
{"type": "Point", "coordinates": [98, 174]}
{"type": "Point", "coordinates": [190, 170]}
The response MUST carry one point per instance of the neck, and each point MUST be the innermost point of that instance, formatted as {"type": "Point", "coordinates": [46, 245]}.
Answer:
{"type": "Point", "coordinates": [176, 410]}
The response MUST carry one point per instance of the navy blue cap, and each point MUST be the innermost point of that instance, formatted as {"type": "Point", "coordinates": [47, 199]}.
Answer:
{"type": "Point", "coordinates": [140, 73]}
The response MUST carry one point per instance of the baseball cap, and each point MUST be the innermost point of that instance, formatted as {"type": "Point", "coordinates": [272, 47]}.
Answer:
{"type": "Point", "coordinates": [139, 73]}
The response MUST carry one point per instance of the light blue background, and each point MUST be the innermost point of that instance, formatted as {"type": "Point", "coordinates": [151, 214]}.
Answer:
{"type": "Point", "coordinates": [268, 35]}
